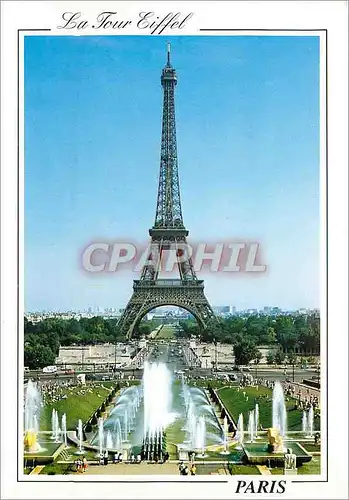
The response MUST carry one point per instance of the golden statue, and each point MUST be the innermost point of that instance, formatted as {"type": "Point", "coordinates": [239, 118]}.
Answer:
{"type": "Point", "coordinates": [30, 444]}
{"type": "Point", "coordinates": [276, 444]}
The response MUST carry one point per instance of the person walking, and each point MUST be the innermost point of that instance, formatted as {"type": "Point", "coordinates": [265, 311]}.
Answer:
{"type": "Point", "coordinates": [193, 470]}
{"type": "Point", "coordinates": [84, 464]}
{"type": "Point", "coordinates": [181, 468]}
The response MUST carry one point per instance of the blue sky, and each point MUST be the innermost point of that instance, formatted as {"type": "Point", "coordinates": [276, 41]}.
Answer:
{"type": "Point", "coordinates": [247, 112]}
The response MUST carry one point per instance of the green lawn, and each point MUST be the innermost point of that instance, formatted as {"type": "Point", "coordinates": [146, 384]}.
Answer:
{"type": "Point", "coordinates": [76, 406]}
{"type": "Point", "coordinates": [166, 332]}
{"type": "Point", "coordinates": [311, 447]}
{"type": "Point", "coordinates": [236, 469]}
{"type": "Point", "coordinates": [313, 467]}
{"type": "Point", "coordinates": [213, 383]}
{"type": "Point", "coordinates": [236, 403]}
{"type": "Point", "coordinates": [55, 468]}
{"type": "Point", "coordinates": [204, 469]}
{"type": "Point", "coordinates": [175, 434]}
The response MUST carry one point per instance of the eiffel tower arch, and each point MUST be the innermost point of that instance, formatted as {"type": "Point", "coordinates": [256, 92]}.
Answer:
{"type": "Point", "coordinates": [167, 233]}
{"type": "Point", "coordinates": [164, 293]}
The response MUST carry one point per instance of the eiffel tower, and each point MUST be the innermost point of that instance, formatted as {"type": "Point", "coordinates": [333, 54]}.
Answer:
{"type": "Point", "coordinates": [168, 233]}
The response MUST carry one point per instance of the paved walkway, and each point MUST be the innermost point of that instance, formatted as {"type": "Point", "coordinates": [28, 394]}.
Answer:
{"type": "Point", "coordinates": [132, 469]}
{"type": "Point", "coordinates": [303, 390]}
{"type": "Point", "coordinates": [263, 469]}
{"type": "Point", "coordinates": [37, 469]}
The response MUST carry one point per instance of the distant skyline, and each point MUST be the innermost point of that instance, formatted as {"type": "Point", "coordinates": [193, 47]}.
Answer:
{"type": "Point", "coordinates": [247, 111]}
{"type": "Point", "coordinates": [101, 310]}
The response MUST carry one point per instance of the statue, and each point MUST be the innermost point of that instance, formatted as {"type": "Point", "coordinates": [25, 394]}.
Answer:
{"type": "Point", "coordinates": [30, 444]}
{"type": "Point", "coordinates": [290, 466]}
{"type": "Point", "coordinates": [275, 441]}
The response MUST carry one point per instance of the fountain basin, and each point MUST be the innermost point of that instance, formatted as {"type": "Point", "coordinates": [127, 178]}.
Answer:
{"type": "Point", "coordinates": [47, 453]}
{"type": "Point", "coordinates": [257, 453]}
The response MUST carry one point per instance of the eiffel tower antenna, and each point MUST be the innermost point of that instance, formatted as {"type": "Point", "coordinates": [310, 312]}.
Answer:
{"type": "Point", "coordinates": [167, 233]}
{"type": "Point", "coordinates": [168, 54]}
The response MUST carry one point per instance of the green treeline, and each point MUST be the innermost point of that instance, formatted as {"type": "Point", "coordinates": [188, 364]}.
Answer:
{"type": "Point", "coordinates": [299, 333]}
{"type": "Point", "coordinates": [42, 339]}
{"type": "Point", "coordinates": [291, 332]}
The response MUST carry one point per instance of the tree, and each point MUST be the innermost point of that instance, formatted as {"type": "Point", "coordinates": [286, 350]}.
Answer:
{"type": "Point", "coordinates": [270, 358]}
{"type": "Point", "coordinates": [279, 357]}
{"type": "Point", "coordinates": [311, 339]}
{"type": "Point", "coordinates": [286, 333]}
{"type": "Point", "coordinates": [38, 356]}
{"type": "Point", "coordinates": [258, 357]}
{"type": "Point", "coordinates": [244, 351]}
{"type": "Point", "coordinates": [286, 330]}
{"type": "Point", "coordinates": [270, 336]}
{"type": "Point", "coordinates": [212, 332]}
{"type": "Point", "coordinates": [291, 358]}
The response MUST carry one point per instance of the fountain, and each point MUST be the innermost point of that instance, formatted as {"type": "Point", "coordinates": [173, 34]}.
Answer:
{"type": "Point", "coordinates": [117, 434]}
{"type": "Point", "coordinates": [279, 410]}
{"type": "Point", "coordinates": [53, 424]}
{"type": "Point", "coordinates": [57, 429]}
{"type": "Point", "coordinates": [200, 435]}
{"type": "Point", "coordinates": [274, 450]}
{"type": "Point", "coordinates": [157, 406]}
{"type": "Point", "coordinates": [80, 437]}
{"type": "Point", "coordinates": [308, 422]}
{"type": "Point", "coordinates": [310, 426]}
{"type": "Point", "coordinates": [109, 441]}
{"type": "Point", "coordinates": [256, 419]}
{"type": "Point", "coordinates": [199, 414]}
{"type": "Point", "coordinates": [240, 432]}
{"type": "Point", "coordinates": [251, 425]}
{"type": "Point", "coordinates": [32, 407]}
{"type": "Point", "coordinates": [114, 433]}
{"type": "Point", "coordinates": [126, 426]}
{"type": "Point", "coordinates": [141, 414]}
{"type": "Point", "coordinates": [305, 423]}
{"type": "Point", "coordinates": [100, 435]}
{"type": "Point", "coordinates": [225, 436]}
{"type": "Point", "coordinates": [185, 393]}
{"type": "Point", "coordinates": [64, 429]}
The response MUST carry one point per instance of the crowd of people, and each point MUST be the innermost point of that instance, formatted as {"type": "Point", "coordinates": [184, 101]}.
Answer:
{"type": "Point", "coordinates": [118, 457]}
{"type": "Point", "coordinates": [104, 458]}
{"type": "Point", "coordinates": [81, 464]}
{"type": "Point", "coordinates": [54, 391]}
{"type": "Point", "coordinates": [185, 470]}
{"type": "Point", "coordinates": [304, 398]}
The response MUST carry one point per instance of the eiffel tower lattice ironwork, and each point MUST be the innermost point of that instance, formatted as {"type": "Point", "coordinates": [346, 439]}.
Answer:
{"type": "Point", "coordinates": [168, 233]}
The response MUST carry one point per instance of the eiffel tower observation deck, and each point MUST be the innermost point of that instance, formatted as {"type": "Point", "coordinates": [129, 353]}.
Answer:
{"type": "Point", "coordinates": [167, 233]}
